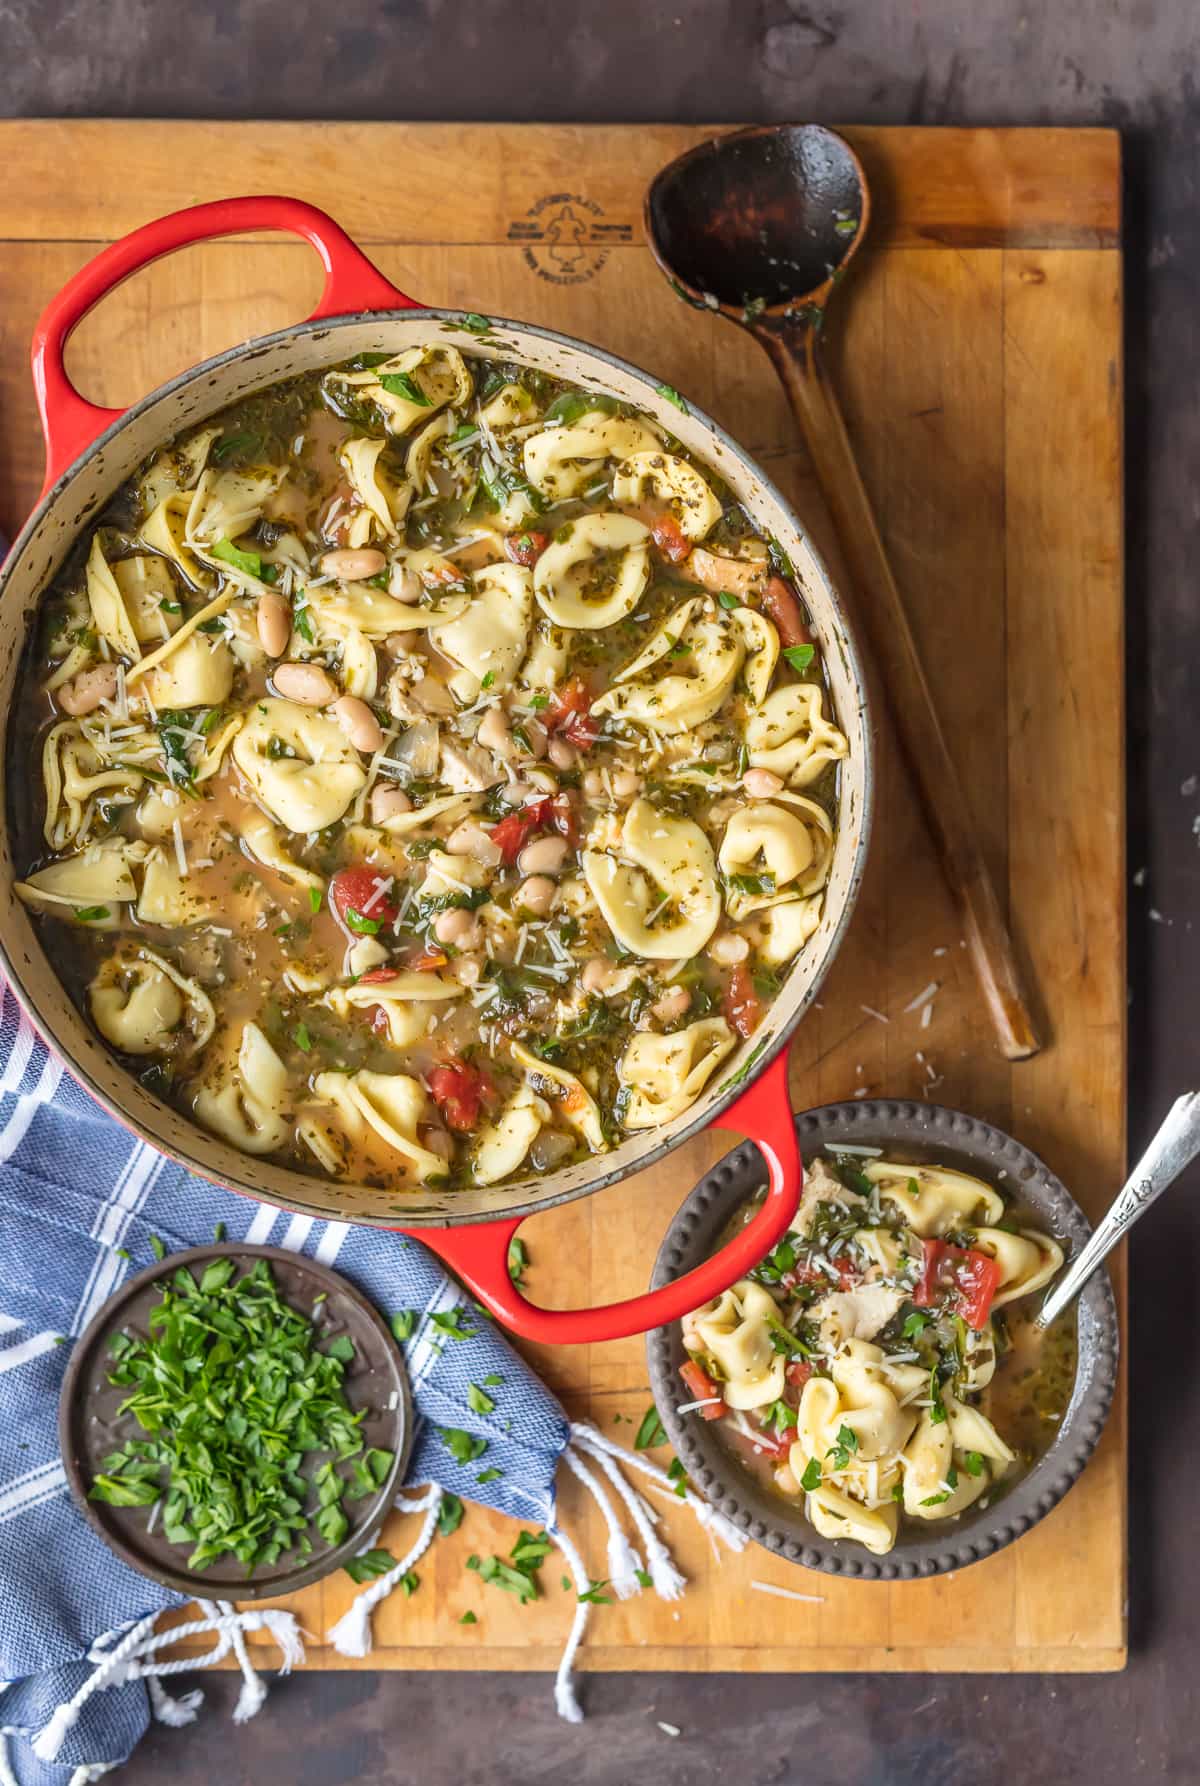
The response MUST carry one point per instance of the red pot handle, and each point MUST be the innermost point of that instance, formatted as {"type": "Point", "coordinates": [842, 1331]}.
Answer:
{"type": "Point", "coordinates": [480, 1254]}
{"type": "Point", "coordinates": [69, 422]}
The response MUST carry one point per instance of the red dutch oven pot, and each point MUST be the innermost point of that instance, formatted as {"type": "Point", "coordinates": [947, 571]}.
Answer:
{"type": "Point", "coordinates": [89, 453]}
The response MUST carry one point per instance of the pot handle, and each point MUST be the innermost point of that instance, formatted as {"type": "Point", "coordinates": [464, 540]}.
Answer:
{"type": "Point", "coordinates": [69, 422]}
{"type": "Point", "coordinates": [479, 1254]}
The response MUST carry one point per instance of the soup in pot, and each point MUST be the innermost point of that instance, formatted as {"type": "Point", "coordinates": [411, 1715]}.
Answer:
{"type": "Point", "coordinates": [434, 774]}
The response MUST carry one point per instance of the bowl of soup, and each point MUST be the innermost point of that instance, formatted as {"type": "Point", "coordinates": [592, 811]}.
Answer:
{"type": "Point", "coordinates": [876, 1397]}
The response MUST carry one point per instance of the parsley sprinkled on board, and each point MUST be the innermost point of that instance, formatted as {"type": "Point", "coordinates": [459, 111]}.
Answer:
{"type": "Point", "coordinates": [450, 1515]}
{"type": "Point", "coordinates": [650, 1433]}
{"type": "Point", "coordinates": [370, 1565]}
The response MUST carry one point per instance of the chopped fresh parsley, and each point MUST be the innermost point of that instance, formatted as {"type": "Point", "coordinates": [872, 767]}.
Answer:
{"type": "Point", "coordinates": [233, 1393]}
{"type": "Point", "coordinates": [248, 562]}
{"type": "Point", "coordinates": [844, 1449]}
{"type": "Point", "coordinates": [403, 1323]}
{"type": "Point", "coordinates": [478, 1401]}
{"type": "Point", "coordinates": [811, 1478]}
{"type": "Point", "coordinates": [672, 396]}
{"type": "Point", "coordinates": [400, 384]}
{"type": "Point", "coordinates": [361, 926]}
{"type": "Point", "coordinates": [650, 1433]}
{"type": "Point", "coordinates": [450, 1514]}
{"type": "Point", "coordinates": [370, 1565]}
{"type": "Point", "coordinates": [92, 914]}
{"type": "Point", "coordinates": [314, 899]}
{"type": "Point", "coordinates": [476, 324]}
{"type": "Point", "coordinates": [727, 600]}
{"type": "Point", "coordinates": [973, 1462]}
{"type": "Point", "coordinates": [463, 1447]}
{"type": "Point", "coordinates": [518, 1259]}
{"type": "Point", "coordinates": [799, 656]}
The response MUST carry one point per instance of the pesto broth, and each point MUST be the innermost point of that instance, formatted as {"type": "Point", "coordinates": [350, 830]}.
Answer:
{"type": "Point", "coordinates": [881, 1366]}
{"type": "Point", "coordinates": [437, 772]}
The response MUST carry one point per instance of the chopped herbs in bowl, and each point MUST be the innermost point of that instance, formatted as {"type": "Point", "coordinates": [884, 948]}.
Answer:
{"type": "Point", "coordinates": [238, 1419]}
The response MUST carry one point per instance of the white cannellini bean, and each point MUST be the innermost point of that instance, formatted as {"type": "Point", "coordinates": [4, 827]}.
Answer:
{"type": "Point", "coordinates": [274, 622]}
{"type": "Point", "coordinates": [470, 839]}
{"type": "Point", "coordinates": [467, 969]}
{"type": "Point", "coordinates": [760, 784]}
{"type": "Point", "coordinates": [672, 1004]}
{"type": "Point", "coordinates": [625, 783]}
{"type": "Point", "coordinates": [599, 975]}
{"type": "Point", "coordinates": [562, 753]}
{"type": "Point", "coordinates": [535, 732]}
{"type": "Point", "coordinates": [728, 948]}
{"type": "Point", "coordinates": [388, 803]}
{"type": "Point", "coordinates": [494, 734]}
{"type": "Point", "coordinates": [308, 684]}
{"type": "Point", "coordinates": [536, 895]}
{"type": "Point", "coordinates": [353, 564]}
{"type": "Point", "coordinates": [358, 722]}
{"type": "Point", "coordinates": [545, 855]}
{"type": "Point", "coordinates": [84, 693]}
{"type": "Point", "coordinates": [405, 585]}
{"type": "Point", "coordinates": [459, 928]}
{"type": "Point", "coordinates": [593, 785]}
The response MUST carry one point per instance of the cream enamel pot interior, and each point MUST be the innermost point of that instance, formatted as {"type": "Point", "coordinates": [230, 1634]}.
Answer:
{"type": "Point", "coordinates": [91, 451]}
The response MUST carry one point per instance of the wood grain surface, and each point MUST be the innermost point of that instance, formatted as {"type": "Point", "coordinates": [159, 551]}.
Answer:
{"type": "Point", "coordinates": [978, 355]}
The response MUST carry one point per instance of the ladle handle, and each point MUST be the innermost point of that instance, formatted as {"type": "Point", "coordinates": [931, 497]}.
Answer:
{"type": "Point", "coordinates": [795, 351]}
{"type": "Point", "coordinates": [1175, 1146]}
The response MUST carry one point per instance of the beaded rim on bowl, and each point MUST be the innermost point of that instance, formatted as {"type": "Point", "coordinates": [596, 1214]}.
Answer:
{"type": "Point", "coordinates": [957, 1140]}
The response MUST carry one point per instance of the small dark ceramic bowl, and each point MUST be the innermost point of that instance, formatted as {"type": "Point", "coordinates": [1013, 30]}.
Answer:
{"type": "Point", "coordinates": [921, 1133]}
{"type": "Point", "coordinates": [89, 1426]}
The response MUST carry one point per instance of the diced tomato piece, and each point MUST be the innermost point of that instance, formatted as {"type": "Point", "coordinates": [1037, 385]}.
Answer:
{"type": "Point", "coordinates": [804, 1273]}
{"type": "Point", "coordinates": [525, 548]}
{"type": "Point", "coordinates": [963, 1278]}
{"type": "Point", "coordinates": [512, 833]}
{"type": "Point", "coordinates": [798, 1372]}
{"type": "Point", "coordinates": [703, 1387]}
{"type": "Point", "coordinates": [459, 1091]}
{"type": "Point", "coordinates": [569, 716]}
{"type": "Point", "coordinates": [782, 607]}
{"type": "Point", "coordinates": [775, 1444]}
{"type": "Point", "coordinates": [356, 896]}
{"type": "Point", "coordinates": [741, 1004]}
{"type": "Point", "coordinates": [670, 538]}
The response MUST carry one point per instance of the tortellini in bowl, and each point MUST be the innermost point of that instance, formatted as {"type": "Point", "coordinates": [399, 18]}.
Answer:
{"type": "Point", "coordinates": [878, 1387]}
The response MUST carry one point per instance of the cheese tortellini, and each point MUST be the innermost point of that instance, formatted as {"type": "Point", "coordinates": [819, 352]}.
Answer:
{"type": "Point", "coordinates": [299, 764]}
{"type": "Point", "coordinates": [658, 893]}
{"type": "Point", "coordinates": [662, 1076]}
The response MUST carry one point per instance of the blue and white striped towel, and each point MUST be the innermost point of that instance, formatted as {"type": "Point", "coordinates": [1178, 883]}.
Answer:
{"type": "Point", "coordinates": [77, 1646]}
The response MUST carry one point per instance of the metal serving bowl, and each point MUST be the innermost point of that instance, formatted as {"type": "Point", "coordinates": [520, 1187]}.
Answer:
{"type": "Point", "coordinates": [922, 1133]}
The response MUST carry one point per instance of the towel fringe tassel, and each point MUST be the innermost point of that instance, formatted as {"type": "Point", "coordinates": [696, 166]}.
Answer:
{"type": "Point", "coordinates": [121, 1657]}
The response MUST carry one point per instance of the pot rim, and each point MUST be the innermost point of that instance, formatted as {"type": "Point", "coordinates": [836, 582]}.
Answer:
{"type": "Point", "coordinates": [975, 1145]}
{"type": "Point", "coordinates": [709, 1108]}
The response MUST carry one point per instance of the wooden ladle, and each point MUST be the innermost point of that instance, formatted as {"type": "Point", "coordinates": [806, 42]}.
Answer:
{"type": "Point", "coordinates": [761, 225]}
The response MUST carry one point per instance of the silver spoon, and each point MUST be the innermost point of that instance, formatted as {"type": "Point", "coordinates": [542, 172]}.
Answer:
{"type": "Point", "coordinates": [1175, 1146]}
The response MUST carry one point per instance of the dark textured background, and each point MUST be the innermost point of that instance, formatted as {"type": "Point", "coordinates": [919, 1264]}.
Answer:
{"type": "Point", "coordinates": [1129, 63]}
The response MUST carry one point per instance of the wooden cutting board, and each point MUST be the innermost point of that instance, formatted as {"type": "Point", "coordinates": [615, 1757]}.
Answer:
{"type": "Point", "coordinates": [979, 352]}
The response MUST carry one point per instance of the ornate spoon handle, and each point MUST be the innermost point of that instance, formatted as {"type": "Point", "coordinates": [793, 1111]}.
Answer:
{"type": "Point", "coordinates": [1175, 1146]}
